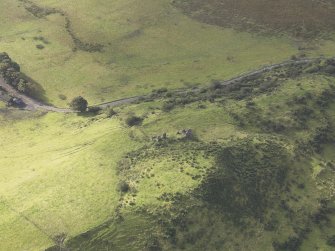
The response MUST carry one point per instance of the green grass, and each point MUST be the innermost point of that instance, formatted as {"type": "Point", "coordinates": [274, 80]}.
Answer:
{"type": "Point", "coordinates": [148, 44]}
{"type": "Point", "coordinates": [210, 124]}
{"type": "Point", "coordinates": [2, 104]}
{"type": "Point", "coordinates": [58, 171]}
{"type": "Point", "coordinates": [58, 174]}
{"type": "Point", "coordinates": [158, 174]}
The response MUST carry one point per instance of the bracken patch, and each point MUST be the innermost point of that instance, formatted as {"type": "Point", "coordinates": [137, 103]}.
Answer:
{"type": "Point", "coordinates": [306, 18]}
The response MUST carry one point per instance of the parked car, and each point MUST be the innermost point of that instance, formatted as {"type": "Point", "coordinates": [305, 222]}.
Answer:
{"type": "Point", "coordinates": [16, 102]}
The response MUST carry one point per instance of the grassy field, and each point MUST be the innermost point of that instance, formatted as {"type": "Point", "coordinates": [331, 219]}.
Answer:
{"type": "Point", "coordinates": [146, 45]}
{"type": "Point", "coordinates": [2, 104]}
{"type": "Point", "coordinates": [92, 182]}
{"type": "Point", "coordinates": [58, 172]}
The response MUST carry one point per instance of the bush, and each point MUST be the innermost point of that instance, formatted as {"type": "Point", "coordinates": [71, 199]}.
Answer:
{"type": "Point", "coordinates": [153, 244]}
{"type": "Point", "coordinates": [25, 87]}
{"type": "Point", "coordinates": [123, 187]}
{"type": "Point", "coordinates": [133, 120]}
{"type": "Point", "coordinates": [168, 106]}
{"type": "Point", "coordinates": [3, 56]}
{"type": "Point", "coordinates": [330, 69]}
{"type": "Point", "coordinates": [40, 46]}
{"type": "Point", "coordinates": [331, 241]}
{"type": "Point", "coordinates": [330, 61]}
{"type": "Point", "coordinates": [292, 244]}
{"type": "Point", "coordinates": [294, 57]}
{"type": "Point", "coordinates": [248, 177]}
{"type": "Point", "coordinates": [79, 104]}
{"type": "Point", "coordinates": [215, 84]}
{"type": "Point", "coordinates": [273, 126]}
{"type": "Point", "coordinates": [110, 112]}
{"type": "Point", "coordinates": [312, 69]}
{"type": "Point", "coordinates": [161, 90]}
{"type": "Point", "coordinates": [303, 113]}
{"type": "Point", "coordinates": [62, 97]}
{"type": "Point", "coordinates": [94, 109]}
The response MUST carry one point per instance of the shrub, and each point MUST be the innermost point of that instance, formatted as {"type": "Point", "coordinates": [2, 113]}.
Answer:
{"type": "Point", "coordinates": [294, 57]}
{"type": "Point", "coordinates": [40, 46]}
{"type": "Point", "coordinates": [168, 94]}
{"type": "Point", "coordinates": [292, 244]}
{"type": "Point", "coordinates": [243, 93]}
{"type": "Point", "coordinates": [202, 106]}
{"type": "Point", "coordinates": [94, 109]}
{"type": "Point", "coordinates": [161, 90]}
{"type": "Point", "coordinates": [273, 126]}
{"type": "Point", "coordinates": [312, 69]}
{"type": "Point", "coordinates": [110, 112]}
{"type": "Point", "coordinates": [11, 76]}
{"type": "Point", "coordinates": [168, 106]}
{"type": "Point", "coordinates": [62, 97]}
{"type": "Point", "coordinates": [133, 120]}
{"type": "Point", "coordinates": [331, 241]}
{"type": "Point", "coordinates": [330, 61]}
{"type": "Point", "coordinates": [247, 178]}
{"type": "Point", "coordinates": [123, 186]}
{"type": "Point", "coordinates": [3, 55]}
{"type": "Point", "coordinates": [153, 244]}
{"type": "Point", "coordinates": [79, 104]}
{"type": "Point", "coordinates": [215, 84]}
{"type": "Point", "coordinates": [303, 113]}
{"type": "Point", "coordinates": [25, 87]}
{"type": "Point", "coordinates": [250, 104]}
{"type": "Point", "coordinates": [330, 69]}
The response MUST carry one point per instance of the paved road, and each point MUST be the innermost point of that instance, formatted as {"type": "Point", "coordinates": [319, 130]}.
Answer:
{"type": "Point", "coordinates": [33, 104]}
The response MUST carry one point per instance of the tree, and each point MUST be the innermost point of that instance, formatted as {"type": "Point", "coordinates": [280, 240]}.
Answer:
{"type": "Point", "coordinates": [79, 104]}
{"type": "Point", "coordinates": [4, 67]}
{"type": "Point", "coordinates": [11, 76]}
{"type": "Point", "coordinates": [3, 56]}
{"type": "Point", "coordinates": [23, 87]}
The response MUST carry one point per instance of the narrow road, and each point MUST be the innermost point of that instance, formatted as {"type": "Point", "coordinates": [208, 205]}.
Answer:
{"type": "Point", "coordinates": [32, 104]}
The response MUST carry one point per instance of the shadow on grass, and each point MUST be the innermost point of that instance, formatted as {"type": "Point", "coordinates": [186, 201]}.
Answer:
{"type": "Point", "coordinates": [87, 114]}
{"type": "Point", "coordinates": [39, 92]}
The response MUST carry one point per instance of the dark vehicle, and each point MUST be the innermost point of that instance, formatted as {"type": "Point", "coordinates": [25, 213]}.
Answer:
{"type": "Point", "coordinates": [16, 102]}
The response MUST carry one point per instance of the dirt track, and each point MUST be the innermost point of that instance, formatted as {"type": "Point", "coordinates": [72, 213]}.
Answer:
{"type": "Point", "coordinates": [32, 104]}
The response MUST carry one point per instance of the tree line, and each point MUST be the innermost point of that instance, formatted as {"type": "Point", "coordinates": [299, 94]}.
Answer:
{"type": "Point", "coordinates": [11, 72]}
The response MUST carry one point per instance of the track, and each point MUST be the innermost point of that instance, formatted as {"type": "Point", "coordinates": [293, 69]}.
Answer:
{"type": "Point", "coordinates": [32, 104]}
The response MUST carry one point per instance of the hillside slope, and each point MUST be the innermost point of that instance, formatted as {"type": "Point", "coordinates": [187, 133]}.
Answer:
{"type": "Point", "coordinates": [265, 145]}
{"type": "Point", "coordinates": [106, 50]}
{"type": "Point", "coordinates": [247, 164]}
